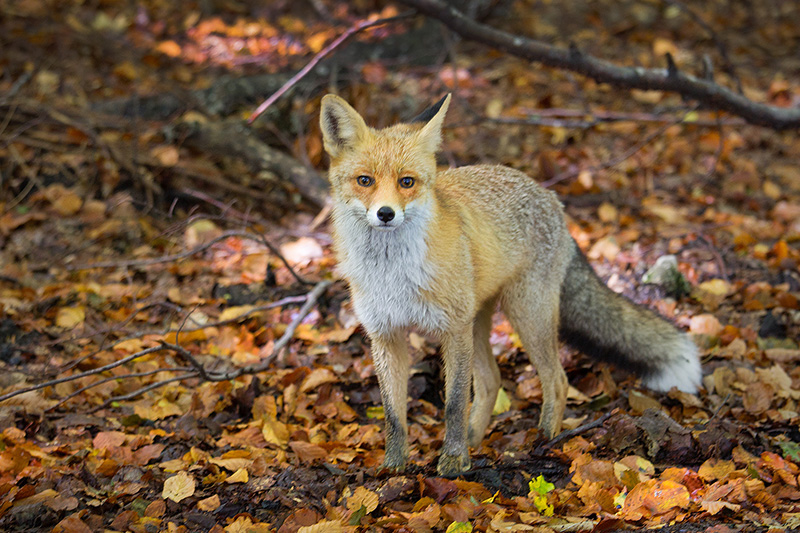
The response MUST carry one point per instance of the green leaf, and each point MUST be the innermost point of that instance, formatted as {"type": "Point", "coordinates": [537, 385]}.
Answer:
{"type": "Point", "coordinates": [375, 412]}
{"type": "Point", "coordinates": [791, 450]}
{"type": "Point", "coordinates": [459, 527]}
{"type": "Point", "coordinates": [355, 518]}
{"type": "Point", "coordinates": [540, 486]}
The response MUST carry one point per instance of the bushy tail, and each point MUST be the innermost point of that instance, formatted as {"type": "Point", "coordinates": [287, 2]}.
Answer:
{"type": "Point", "coordinates": [609, 327]}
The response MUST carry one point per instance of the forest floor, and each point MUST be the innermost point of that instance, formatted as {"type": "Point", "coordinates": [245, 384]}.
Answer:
{"type": "Point", "coordinates": [132, 260]}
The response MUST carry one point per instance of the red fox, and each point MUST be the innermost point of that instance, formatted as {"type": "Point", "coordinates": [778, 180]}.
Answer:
{"type": "Point", "coordinates": [441, 249]}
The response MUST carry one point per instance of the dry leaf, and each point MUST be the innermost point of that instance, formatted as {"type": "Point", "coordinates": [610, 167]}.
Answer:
{"type": "Point", "coordinates": [325, 526]}
{"type": "Point", "coordinates": [240, 476]}
{"type": "Point", "coordinates": [363, 497]}
{"type": "Point", "coordinates": [70, 317]}
{"type": "Point", "coordinates": [308, 452]}
{"type": "Point", "coordinates": [178, 487]}
{"type": "Point", "coordinates": [209, 504]}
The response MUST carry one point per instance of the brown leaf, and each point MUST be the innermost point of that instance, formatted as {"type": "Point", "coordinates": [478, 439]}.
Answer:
{"type": "Point", "coordinates": [109, 440]}
{"type": "Point", "coordinates": [318, 377]}
{"type": "Point", "coordinates": [72, 524]}
{"type": "Point", "coordinates": [156, 509]}
{"type": "Point", "coordinates": [758, 397]}
{"type": "Point", "coordinates": [307, 452]}
{"type": "Point", "coordinates": [440, 488]}
{"type": "Point", "coordinates": [209, 504]}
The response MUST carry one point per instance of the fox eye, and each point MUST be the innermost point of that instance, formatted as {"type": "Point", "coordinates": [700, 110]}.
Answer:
{"type": "Point", "coordinates": [407, 182]}
{"type": "Point", "coordinates": [365, 181]}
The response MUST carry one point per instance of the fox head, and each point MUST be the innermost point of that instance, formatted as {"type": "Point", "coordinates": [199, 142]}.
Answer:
{"type": "Point", "coordinates": [381, 176]}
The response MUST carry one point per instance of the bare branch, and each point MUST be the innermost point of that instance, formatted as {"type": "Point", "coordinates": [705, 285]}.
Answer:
{"type": "Point", "coordinates": [352, 30]}
{"type": "Point", "coordinates": [92, 372]}
{"type": "Point", "coordinates": [704, 91]}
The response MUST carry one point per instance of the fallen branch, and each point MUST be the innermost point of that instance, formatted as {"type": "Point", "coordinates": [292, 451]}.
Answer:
{"type": "Point", "coordinates": [234, 139]}
{"type": "Point", "coordinates": [670, 79]}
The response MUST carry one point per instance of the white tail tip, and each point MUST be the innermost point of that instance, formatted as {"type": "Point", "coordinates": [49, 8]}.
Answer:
{"type": "Point", "coordinates": [681, 369]}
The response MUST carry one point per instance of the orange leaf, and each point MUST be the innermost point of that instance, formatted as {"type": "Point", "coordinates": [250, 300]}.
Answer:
{"type": "Point", "coordinates": [654, 497]}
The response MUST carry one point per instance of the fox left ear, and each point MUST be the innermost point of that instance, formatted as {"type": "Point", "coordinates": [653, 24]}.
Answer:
{"type": "Point", "coordinates": [430, 136]}
{"type": "Point", "coordinates": [341, 125]}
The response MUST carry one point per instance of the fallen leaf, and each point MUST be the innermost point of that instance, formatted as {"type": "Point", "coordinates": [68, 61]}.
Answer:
{"type": "Point", "coordinates": [70, 317]}
{"type": "Point", "coordinates": [178, 487]}
{"type": "Point", "coordinates": [363, 497]}
{"type": "Point", "coordinates": [308, 452]}
{"type": "Point", "coordinates": [240, 476]}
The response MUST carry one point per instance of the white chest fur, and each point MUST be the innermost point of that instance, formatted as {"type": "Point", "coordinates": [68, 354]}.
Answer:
{"type": "Point", "coordinates": [387, 270]}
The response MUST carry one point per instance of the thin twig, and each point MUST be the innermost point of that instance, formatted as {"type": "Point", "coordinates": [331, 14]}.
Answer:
{"type": "Point", "coordinates": [723, 51]}
{"type": "Point", "coordinates": [352, 30]}
{"type": "Point", "coordinates": [193, 251]}
{"type": "Point", "coordinates": [198, 370]}
{"type": "Point", "coordinates": [311, 300]}
{"type": "Point", "coordinates": [619, 159]}
{"type": "Point", "coordinates": [67, 398]}
{"type": "Point", "coordinates": [93, 372]}
{"type": "Point", "coordinates": [142, 390]}
{"type": "Point", "coordinates": [564, 435]}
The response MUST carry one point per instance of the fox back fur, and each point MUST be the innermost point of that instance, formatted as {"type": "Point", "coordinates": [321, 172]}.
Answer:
{"type": "Point", "coordinates": [441, 249]}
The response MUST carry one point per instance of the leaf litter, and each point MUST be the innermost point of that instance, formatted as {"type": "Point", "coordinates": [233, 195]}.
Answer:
{"type": "Point", "coordinates": [299, 447]}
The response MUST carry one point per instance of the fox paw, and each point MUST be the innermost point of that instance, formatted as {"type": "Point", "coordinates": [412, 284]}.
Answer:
{"type": "Point", "coordinates": [452, 465]}
{"type": "Point", "coordinates": [394, 462]}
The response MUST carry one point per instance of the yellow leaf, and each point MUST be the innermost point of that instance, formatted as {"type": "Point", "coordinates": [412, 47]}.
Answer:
{"type": "Point", "coordinates": [236, 311]}
{"type": "Point", "coordinates": [240, 476]}
{"type": "Point", "coordinates": [459, 527]}
{"type": "Point", "coordinates": [275, 432]}
{"type": "Point", "coordinates": [130, 346]}
{"type": "Point", "coordinates": [363, 498]}
{"type": "Point", "coordinates": [178, 487]}
{"type": "Point", "coordinates": [317, 41]}
{"type": "Point", "coordinates": [502, 403]}
{"type": "Point", "coordinates": [325, 526]}
{"type": "Point", "coordinates": [70, 317]}
{"type": "Point", "coordinates": [232, 463]}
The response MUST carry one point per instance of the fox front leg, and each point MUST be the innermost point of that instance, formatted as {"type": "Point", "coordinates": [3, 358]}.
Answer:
{"type": "Point", "coordinates": [458, 352]}
{"type": "Point", "coordinates": [390, 356]}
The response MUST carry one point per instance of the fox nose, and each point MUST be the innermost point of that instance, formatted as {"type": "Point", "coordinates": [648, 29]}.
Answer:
{"type": "Point", "coordinates": [385, 214]}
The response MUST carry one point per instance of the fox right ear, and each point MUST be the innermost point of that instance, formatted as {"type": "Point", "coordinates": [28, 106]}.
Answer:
{"type": "Point", "coordinates": [341, 125]}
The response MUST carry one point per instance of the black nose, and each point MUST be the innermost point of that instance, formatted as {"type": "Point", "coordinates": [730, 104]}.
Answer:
{"type": "Point", "coordinates": [385, 214]}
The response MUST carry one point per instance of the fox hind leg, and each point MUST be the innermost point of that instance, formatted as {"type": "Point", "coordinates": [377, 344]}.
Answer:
{"type": "Point", "coordinates": [485, 376]}
{"type": "Point", "coordinates": [531, 306]}
{"type": "Point", "coordinates": [390, 356]}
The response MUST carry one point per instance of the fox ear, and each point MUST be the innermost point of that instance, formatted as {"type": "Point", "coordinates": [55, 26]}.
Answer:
{"type": "Point", "coordinates": [341, 125]}
{"type": "Point", "coordinates": [430, 136]}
